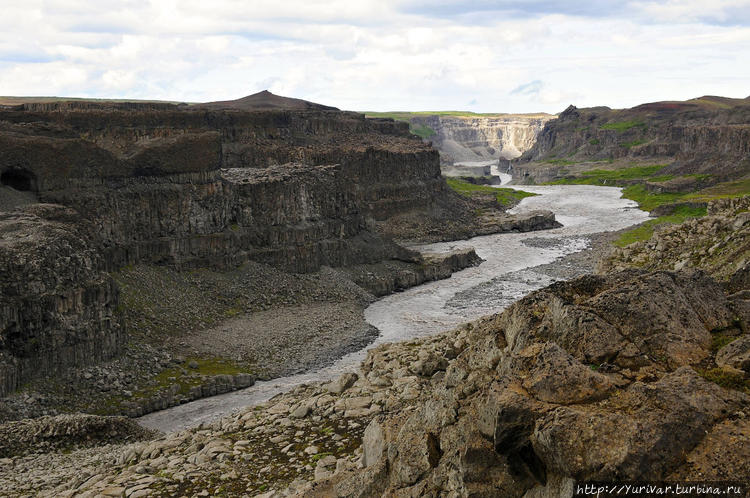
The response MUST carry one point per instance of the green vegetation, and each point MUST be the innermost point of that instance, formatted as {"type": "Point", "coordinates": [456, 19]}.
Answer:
{"type": "Point", "coordinates": [184, 377]}
{"type": "Point", "coordinates": [622, 125]}
{"type": "Point", "coordinates": [645, 230]}
{"type": "Point", "coordinates": [648, 201]}
{"type": "Point", "coordinates": [422, 131]}
{"type": "Point", "coordinates": [560, 162]}
{"type": "Point", "coordinates": [632, 143]}
{"type": "Point", "coordinates": [504, 196]}
{"type": "Point", "coordinates": [594, 141]}
{"type": "Point", "coordinates": [728, 380]}
{"type": "Point", "coordinates": [407, 115]}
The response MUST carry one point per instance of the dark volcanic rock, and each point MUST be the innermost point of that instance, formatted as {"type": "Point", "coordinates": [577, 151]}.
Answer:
{"type": "Point", "coordinates": [266, 179]}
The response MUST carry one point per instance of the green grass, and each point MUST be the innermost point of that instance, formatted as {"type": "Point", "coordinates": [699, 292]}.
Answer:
{"type": "Point", "coordinates": [422, 131]}
{"type": "Point", "coordinates": [646, 230]}
{"type": "Point", "coordinates": [622, 125]}
{"type": "Point", "coordinates": [594, 141]}
{"type": "Point", "coordinates": [504, 196]}
{"type": "Point", "coordinates": [632, 143]}
{"type": "Point", "coordinates": [648, 201]}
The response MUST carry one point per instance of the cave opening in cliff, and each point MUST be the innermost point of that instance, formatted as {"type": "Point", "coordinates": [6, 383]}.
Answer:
{"type": "Point", "coordinates": [18, 179]}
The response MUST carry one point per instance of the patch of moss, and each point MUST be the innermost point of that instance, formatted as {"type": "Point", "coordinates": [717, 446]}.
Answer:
{"type": "Point", "coordinates": [184, 377]}
{"type": "Point", "coordinates": [422, 131]}
{"type": "Point", "coordinates": [726, 379]}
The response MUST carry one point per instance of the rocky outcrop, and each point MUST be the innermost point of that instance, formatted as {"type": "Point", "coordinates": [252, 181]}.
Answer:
{"type": "Point", "coordinates": [65, 432]}
{"type": "Point", "coordinates": [481, 138]}
{"type": "Point", "coordinates": [717, 243]}
{"type": "Point", "coordinates": [57, 308]}
{"type": "Point", "coordinates": [603, 378]}
{"type": "Point", "coordinates": [708, 135]}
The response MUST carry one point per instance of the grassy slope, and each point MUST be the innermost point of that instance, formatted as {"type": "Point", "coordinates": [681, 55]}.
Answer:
{"type": "Point", "coordinates": [648, 201]}
{"type": "Point", "coordinates": [504, 196]}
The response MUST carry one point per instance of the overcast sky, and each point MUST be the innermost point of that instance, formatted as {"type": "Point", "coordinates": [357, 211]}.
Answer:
{"type": "Point", "coordinates": [485, 56]}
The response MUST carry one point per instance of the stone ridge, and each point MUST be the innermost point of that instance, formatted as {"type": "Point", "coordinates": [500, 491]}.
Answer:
{"type": "Point", "coordinates": [692, 137]}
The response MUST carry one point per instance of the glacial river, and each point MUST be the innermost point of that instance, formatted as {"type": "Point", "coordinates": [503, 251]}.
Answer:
{"type": "Point", "coordinates": [502, 278]}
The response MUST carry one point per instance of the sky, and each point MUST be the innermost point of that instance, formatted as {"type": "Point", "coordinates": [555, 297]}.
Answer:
{"type": "Point", "coordinates": [380, 55]}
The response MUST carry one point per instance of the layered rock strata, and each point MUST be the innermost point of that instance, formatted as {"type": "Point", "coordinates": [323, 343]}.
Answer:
{"type": "Point", "coordinates": [705, 136]}
{"type": "Point", "coordinates": [482, 138]}
{"type": "Point", "coordinates": [189, 187]}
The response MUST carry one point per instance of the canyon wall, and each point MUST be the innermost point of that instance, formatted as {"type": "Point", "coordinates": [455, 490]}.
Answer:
{"type": "Point", "coordinates": [710, 135]}
{"type": "Point", "coordinates": [89, 188]}
{"type": "Point", "coordinates": [482, 138]}
{"type": "Point", "coordinates": [191, 187]}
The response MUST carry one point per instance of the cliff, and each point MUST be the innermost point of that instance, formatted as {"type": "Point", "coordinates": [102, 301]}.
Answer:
{"type": "Point", "coordinates": [475, 138]}
{"type": "Point", "coordinates": [709, 135]}
{"type": "Point", "coordinates": [290, 184]}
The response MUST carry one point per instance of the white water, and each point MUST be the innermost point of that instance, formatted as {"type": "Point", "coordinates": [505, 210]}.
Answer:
{"type": "Point", "coordinates": [438, 306]}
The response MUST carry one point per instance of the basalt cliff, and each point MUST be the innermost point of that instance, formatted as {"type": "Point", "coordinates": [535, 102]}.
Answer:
{"type": "Point", "coordinates": [703, 136]}
{"type": "Point", "coordinates": [89, 190]}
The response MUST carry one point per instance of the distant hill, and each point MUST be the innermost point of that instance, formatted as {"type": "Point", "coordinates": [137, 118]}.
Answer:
{"type": "Point", "coordinates": [266, 100]}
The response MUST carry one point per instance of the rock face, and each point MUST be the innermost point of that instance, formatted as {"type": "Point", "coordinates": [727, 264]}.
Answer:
{"type": "Point", "coordinates": [57, 309]}
{"type": "Point", "coordinates": [718, 243]}
{"type": "Point", "coordinates": [292, 185]}
{"type": "Point", "coordinates": [599, 378]}
{"type": "Point", "coordinates": [482, 138]}
{"type": "Point", "coordinates": [709, 135]}
{"type": "Point", "coordinates": [594, 379]}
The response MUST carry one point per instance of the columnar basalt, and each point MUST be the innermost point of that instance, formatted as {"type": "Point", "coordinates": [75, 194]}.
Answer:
{"type": "Point", "coordinates": [190, 187]}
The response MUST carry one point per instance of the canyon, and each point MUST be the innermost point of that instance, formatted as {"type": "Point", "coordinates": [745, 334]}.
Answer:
{"type": "Point", "coordinates": [92, 190]}
{"type": "Point", "coordinates": [707, 138]}
{"type": "Point", "coordinates": [225, 211]}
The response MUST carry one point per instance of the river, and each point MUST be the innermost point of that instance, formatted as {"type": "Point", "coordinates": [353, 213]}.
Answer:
{"type": "Point", "coordinates": [502, 278]}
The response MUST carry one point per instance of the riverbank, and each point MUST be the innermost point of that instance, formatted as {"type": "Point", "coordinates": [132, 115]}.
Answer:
{"type": "Point", "coordinates": [196, 334]}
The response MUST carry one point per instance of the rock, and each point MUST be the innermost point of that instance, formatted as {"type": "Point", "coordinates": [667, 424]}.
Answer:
{"type": "Point", "coordinates": [344, 382]}
{"type": "Point", "coordinates": [301, 411]}
{"type": "Point", "coordinates": [373, 443]}
{"type": "Point", "coordinates": [736, 354]}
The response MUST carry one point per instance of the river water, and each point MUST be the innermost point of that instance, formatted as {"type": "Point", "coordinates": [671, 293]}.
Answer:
{"type": "Point", "coordinates": [502, 278]}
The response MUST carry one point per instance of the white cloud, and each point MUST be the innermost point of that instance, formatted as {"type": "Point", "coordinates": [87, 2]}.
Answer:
{"type": "Point", "coordinates": [377, 55]}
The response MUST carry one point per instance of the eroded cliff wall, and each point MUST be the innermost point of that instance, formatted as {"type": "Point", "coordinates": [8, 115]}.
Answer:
{"type": "Point", "coordinates": [710, 135]}
{"type": "Point", "coordinates": [163, 184]}
{"type": "Point", "coordinates": [482, 138]}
